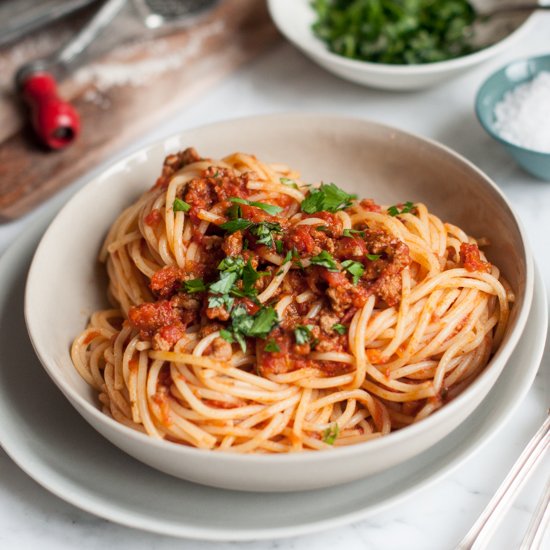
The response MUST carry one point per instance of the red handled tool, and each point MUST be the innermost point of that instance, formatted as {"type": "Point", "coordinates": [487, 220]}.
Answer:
{"type": "Point", "coordinates": [54, 120]}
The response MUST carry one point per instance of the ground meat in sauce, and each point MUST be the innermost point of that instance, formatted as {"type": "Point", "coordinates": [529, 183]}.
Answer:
{"type": "Point", "coordinates": [290, 358]}
{"type": "Point", "coordinates": [313, 239]}
{"type": "Point", "coordinates": [233, 244]}
{"type": "Point", "coordinates": [385, 272]}
{"type": "Point", "coordinates": [166, 281]}
{"type": "Point", "coordinates": [164, 322]}
{"type": "Point", "coordinates": [471, 259]}
{"type": "Point", "coordinates": [175, 162]}
{"type": "Point", "coordinates": [200, 195]}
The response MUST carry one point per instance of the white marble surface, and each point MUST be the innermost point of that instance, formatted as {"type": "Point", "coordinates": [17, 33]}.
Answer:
{"type": "Point", "coordinates": [438, 516]}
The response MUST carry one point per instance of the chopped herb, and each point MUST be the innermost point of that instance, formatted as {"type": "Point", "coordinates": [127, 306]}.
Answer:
{"type": "Point", "coordinates": [226, 281]}
{"type": "Point", "coordinates": [396, 31]}
{"type": "Point", "coordinates": [234, 212]}
{"type": "Point", "coordinates": [352, 232]}
{"type": "Point", "coordinates": [373, 257]}
{"type": "Point", "coordinates": [355, 268]}
{"type": "Point", "coordinates": [231, 263]}
{"type": "Point", "coordinates": [325, 259]}
{"type": "Point", "coordinates": [271, 209]}
{"type": "Point", "coordinates": [327, 197]}
{"type": "Point", "coordinates": [331, 433]}
{"type": "Point", "coordinates": [407, 207]}
{"type": "Point", "coordinates": [272, 346]}
{"type": "Point", "coordinates": [264, 321]}
{"type": "Point", "coordinates": [250, 276]}
{"type": "Point", "coordinates": [288, 181]}
{"type": "Point", "coordinates": [287, 257]}
{"type": "Point", "coordinates": [194, 285]}
{"type": "Point", "coordinates": [296, 258]}
{"type": "Point", "coordinates": [180, 206]}
{"type": "Point", "coordinates": [216, 174]}
{"type": "Point", "coordinates": [223, 300]}
{"type": "Point", "coordinates": [226, 335]}
{"type": "Point", "coordinates": [255, 326]}
{"type": "Point", "coordinates": [241, 340]}
{"type": "Point", "coordinates": [339, 328]}
{"type": "Point", "coordinates": [241, 293]}
{"type": "Point", "coordinates": [263, 231]}
{"type": "Point", "coordinates": [302, 333]}
{"type": "Point", "coordinates": [236, 225]}
{"type": "Point", "coordinates": [279, 246]}
{"type": "Point", "coordinates": [322, 228]}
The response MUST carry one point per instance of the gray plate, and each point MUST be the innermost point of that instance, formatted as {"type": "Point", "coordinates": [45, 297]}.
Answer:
{"type": "Point", "coordinates": [49, 440]}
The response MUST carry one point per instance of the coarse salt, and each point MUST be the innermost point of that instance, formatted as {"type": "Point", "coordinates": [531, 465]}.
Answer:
{"type": "Point", "coordinates": [523, 115]}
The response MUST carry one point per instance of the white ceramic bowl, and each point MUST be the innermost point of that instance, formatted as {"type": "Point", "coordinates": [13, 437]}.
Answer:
{"type": "Point", "coordinates": [65, 284]}
{"type": "Point", "coordinates": [295, 17]}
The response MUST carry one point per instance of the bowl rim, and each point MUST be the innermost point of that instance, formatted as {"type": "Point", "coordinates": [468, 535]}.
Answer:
{"type": "Point", "coordinates": [398, 437]}
{"type": "Point", "coordinates": [320, 51]}
{"type": "Point", "coordinates": [481, 92]}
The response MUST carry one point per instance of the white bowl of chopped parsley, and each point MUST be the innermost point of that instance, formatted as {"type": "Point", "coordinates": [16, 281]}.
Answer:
{"type": "Point", "coordinates": [396, 44]}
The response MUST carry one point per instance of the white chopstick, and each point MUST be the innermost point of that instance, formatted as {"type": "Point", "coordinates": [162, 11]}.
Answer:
{"type": "Point", "coordinates": [535, 532]}
{"type": "Point", "coordinates": [478, 536]}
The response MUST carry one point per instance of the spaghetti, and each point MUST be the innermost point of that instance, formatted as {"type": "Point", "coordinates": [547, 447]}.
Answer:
{"type": "Point", "coordinates": [255, 313]}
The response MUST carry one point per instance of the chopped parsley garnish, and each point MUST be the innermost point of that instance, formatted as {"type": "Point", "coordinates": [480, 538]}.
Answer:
{"type": "Point", "coordinates": [225, 283]}
{"type": "Point", "coordinates": [194, 285]}
{"type": "Point", "coordinates": [231, 264]}
{"type": "Point", "coordinates": [331, 433]}
{"type": "Point", "coordinates": [180, 206]}
{"type": "Point", "coordinates": [352, 232]}
{"type": "Point", "coordinates": [289, 182]}
{"type": "Point", "coordinates": [355, 268]}
{"type": "Point", "coordinates": [279, 247]}
{"type": "Point", "coordinates": [254, 326]}
{"type": "Point", "coordinates": [271, 209]}
{"type": "Point", "coordinates": [339, 328]}
{"type": "Point", "coordinates": [236, 225]}
{"type": "Point", "coordinates": [296, 258]}
{"type": "Point", "coordinates": [302, 333]}
{"type": "Point", "coordinates": [272, 346]}
{"type": "Point", "coordinates": [373, 257]}
{"type": "Point", "coordinates": [250, 276]}
{"type": "Point", "coordinates": [231, 269]}
{"type": "Point", "coordinates": [396, 32]}
{"type": "Point", "coordinates": [287, 258]}
{"type": "Point", "coordinates": [407, 207]}
{"type": "Point", "coordinates": [263, 322]}
{"type": "Point", "coordinates": [221, 300]}
{"type": "Point", "coordinates": [226, 335]}
{"type": "Point", "coordinates": [327, 197]}
{"type": "Point", "coordinates": [325, 259]}
{"type": "Point", "coordinates": [263, 231]}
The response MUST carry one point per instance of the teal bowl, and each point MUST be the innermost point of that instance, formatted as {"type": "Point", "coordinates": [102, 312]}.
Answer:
{"type": "Point", "coordinates": [492, 92]}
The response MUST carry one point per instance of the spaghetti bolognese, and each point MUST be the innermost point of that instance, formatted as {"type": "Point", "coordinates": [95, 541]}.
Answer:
{"type": "Point", "coordinates": [255, 313]}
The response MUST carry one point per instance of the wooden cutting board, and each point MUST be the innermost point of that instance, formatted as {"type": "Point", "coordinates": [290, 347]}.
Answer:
{"type": "Point", "coordinates": [121, 95]}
